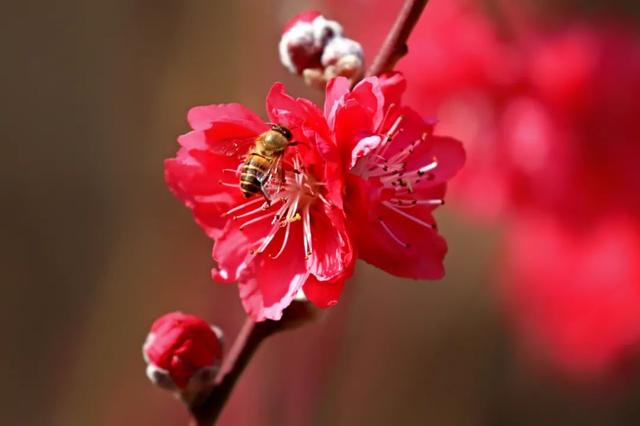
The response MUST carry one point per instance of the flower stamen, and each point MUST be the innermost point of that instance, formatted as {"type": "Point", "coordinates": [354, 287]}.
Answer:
{"type": "Point", "coordinates": [412, 218]}
{"type": "Point", "coordinates": [306, 225]}
{"type": "Point", "coordinates": [241, 206]}
{"type": "Point", "coordinates": [408, 203]}
{"type": "Point", "coordinates": [393, 236]}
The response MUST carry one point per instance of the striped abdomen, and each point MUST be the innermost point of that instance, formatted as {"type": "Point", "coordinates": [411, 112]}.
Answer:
{"type": "Point", "coordinates": [252, 174]}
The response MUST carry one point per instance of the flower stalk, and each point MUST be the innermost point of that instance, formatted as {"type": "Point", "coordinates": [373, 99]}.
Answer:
{"type": "Point", "coordinates": [395, 44]}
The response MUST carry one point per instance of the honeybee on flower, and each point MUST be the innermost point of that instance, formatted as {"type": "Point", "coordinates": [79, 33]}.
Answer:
{"type": "Point", "coordinates": [297, 239]}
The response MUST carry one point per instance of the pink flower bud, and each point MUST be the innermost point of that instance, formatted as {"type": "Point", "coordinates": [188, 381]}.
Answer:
{"type": "Point", "coordinates": [182, 351]}
{"type": "Point", "coordinates": [343, 57]}
{"type": "Point", "coordinates": [304, 39]}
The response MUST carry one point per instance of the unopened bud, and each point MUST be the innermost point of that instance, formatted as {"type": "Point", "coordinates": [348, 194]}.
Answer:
{"type": "Point", "coordinates": [303, 40]}
{"type": "Point", "coordinates": [343, 57]}
{"type": "Point", "coordinates": [315, 47]}
{"type": "Point", "coordinates": [183, 353]}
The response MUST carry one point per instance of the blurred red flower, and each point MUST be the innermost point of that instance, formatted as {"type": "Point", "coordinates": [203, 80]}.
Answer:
{"type": "Point", "coordinates": [397, 174]}
{"type": "Point", "coordinates": [575, 296]}
{"type": "Point", "coordinates": [549, 121]}
{"type": "Point", "coordinates": [572, 257]}
{"type": "Point", "coordinates": [271, 250]}
{"type": "Point", "coordinates": [179, 347]}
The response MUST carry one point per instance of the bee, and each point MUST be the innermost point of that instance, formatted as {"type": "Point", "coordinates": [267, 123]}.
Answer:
{"type": "Point", "coordinates": [263, 158]}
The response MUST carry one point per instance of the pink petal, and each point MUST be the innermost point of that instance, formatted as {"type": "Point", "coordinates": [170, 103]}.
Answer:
{"type": "Point", "coordinates": [363, 148]}
{"type": "Point", "coordinates": [449, 154]}
{"type": "Point", "coordinates": [323, 294]}
{"type": "Point", "coordinates": [423, 257]}
{"type": "Point", "coordinates": [284, 109]}
{"type": "Point", "coordinates": [202, 117]}
{"type": "Point", "coordinates": [336, 90]}
{"type": "Point", "coordinates": [195, 181]}
{"type": "Point", "coordinates": [368, 94]}
{"type": "Point", "coordinates": [332, 251]}
{"type": "Point", "coordinates": [393, 86]}
{"type": "Point", "coordinates": [271, 284]}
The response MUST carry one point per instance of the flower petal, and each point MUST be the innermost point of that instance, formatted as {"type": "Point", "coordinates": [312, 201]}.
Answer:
{"type": "Point", "coordinates": [284, 109]}
{"type": "Point", "coordinates": [194, 177]}
{"type": "Point", "coordinates": [449, 154]}
{"type": "Point", "coordinates": [332, 251]}
{"type": "Point", "coordinates": [323, 294]}
{"type": "Point", "coordinates": [336, 90]}
{"type": "Point", "coordinates": [393, 86]}
{"type": "Point", "coordinates": [270, 285]}
{"type": "Point", "coordinates": [422, 259]}
{"type": "Point", "coordinates": [202, 117]}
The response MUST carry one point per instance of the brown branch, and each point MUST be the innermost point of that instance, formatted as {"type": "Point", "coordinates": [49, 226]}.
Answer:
{"type": "Point", "coordinates": [395, 45]}
{"type": "Point", "coordinates": [207, 408]}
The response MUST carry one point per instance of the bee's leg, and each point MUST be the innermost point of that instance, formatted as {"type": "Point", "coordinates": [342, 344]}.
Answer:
{"type": "Point", "coordinates": [281, 176]}
{"type": "Point", "coordinates": [265, 194]}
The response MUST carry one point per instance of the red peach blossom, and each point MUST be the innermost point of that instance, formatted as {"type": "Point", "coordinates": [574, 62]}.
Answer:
{"type": "Point", "coordinates": [397, 173]}
{"type": "Point", "coordinates": [270, 249]}
{"type": "Point", "coordinates": [574, 296]}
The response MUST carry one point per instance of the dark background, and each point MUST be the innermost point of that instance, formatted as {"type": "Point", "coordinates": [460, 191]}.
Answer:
{"type": "Point", "coordinates": [95, 247]}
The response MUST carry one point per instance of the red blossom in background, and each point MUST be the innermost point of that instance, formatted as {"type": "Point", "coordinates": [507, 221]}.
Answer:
{"type": "Point", "coordinates": [297, 242]}
{"type": "Point", "coordinates": [180, 347]}
{"type": "Point", "coordinates": [549, 120]}
{"type": "Point", "coordinates": [397, 172]}
{"type": "Point", "coordinates": [575, 296]}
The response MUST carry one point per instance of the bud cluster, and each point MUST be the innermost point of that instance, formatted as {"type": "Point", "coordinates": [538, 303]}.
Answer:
{"type": "Point", "coordinates": [316, 48]}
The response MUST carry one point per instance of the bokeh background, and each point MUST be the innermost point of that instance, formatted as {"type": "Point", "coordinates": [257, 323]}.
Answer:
{"type": "Point", "coordinates": [95, 247]}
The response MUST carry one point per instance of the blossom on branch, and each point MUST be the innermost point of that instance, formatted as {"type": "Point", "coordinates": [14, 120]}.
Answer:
{"type": "Point", "coordinates": [274, 248]}
{"type": "Point", "coordinates": [397, 171]}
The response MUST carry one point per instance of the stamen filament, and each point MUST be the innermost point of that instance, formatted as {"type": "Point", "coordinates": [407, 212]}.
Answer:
{"type": "Point", "coordinates": [414, 219]}
{"type": "Point", "coordinates": [262, 208]}
{"type": "Point", "coordinates": [306, 225]}
{"type": "Point", "coordinates": [241, 206]}
{"type": "Point", "coordinates": [393, 236]}
{"type": "Point", "coordinates": [255, 220]}
{"type": "Point", "coordinates": [414, 202]}
{"type": "Point", "coordinates": [227, 184]}
{"type": "Point", "coordinates": [284, 241]}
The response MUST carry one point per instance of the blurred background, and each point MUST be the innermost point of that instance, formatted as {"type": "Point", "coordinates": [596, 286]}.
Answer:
{"type": "Point", "coordinates": [538, 318]}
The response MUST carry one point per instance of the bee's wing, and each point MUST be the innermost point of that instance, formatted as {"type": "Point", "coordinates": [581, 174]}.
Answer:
{"type": "Point", "coordinates": [232, 146]}
{"type": "Point", "coordinates": [275, 166]}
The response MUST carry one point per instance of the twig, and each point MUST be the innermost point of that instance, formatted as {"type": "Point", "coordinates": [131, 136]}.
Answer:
{"type": "Point", "coordinates": [395, 45]}
{"type": "Point", "coordinates": [208, 407]}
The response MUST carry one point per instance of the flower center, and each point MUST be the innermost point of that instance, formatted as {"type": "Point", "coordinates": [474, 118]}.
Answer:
{"type": "Point", "coordinates": [292, 196]}
{"type": "Point", "coordinates": [397, 184]}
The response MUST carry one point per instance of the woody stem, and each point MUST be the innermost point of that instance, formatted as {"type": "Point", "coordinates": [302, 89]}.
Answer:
{"type": "Point", "coordinates": [395, 45]}
{"type": "Point", "coordinates": [208, 407]}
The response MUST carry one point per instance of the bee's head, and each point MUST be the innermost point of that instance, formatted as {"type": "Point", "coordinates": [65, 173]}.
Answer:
{"type": "Point", "coordinates": [282, 130]}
